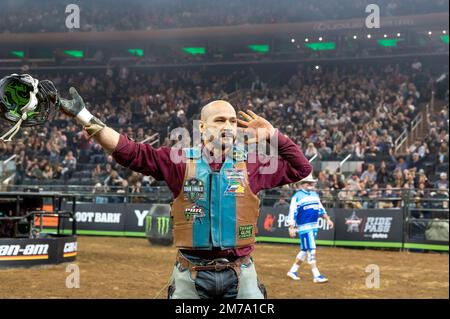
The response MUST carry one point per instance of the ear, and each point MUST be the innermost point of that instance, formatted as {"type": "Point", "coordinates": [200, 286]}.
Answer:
{"type": "Point", "coordinates": [202, 127]}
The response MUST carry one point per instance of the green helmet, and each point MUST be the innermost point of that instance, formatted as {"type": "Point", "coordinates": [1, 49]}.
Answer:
{"type": "Point", "coordinates": [25, 101]}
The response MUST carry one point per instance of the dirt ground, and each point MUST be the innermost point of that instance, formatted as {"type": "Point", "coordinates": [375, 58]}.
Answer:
{"type": "Point", "coordinates": [113, 267]}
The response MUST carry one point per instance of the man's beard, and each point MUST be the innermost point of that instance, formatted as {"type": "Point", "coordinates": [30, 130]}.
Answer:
{"type": "Point", "coordinates": [226, 140]}
{"type": "Point", "coordinates": [219, 146]}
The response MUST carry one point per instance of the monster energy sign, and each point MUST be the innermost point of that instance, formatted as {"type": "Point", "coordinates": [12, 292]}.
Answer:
{"type": "Point", "coordinates": [162, 224]}
{"type": "Point", "coordinates": [157, 226]}
{"type": "Point", "coordinates": [125, 219]}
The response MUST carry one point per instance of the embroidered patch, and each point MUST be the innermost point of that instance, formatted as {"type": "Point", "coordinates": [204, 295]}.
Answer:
{"type": "Point", "coordinates": [235, 173]}
{"type": "Point", "coordinates": [234, 188]}
{"type": "Point", "coordinates": [245, 231]}
{"type": "Point", "coordinates": [239, 155]}
{"type": "Point", "coordinates": [193, 189]}
{"type": "Point", "coordinates": [194, 212]}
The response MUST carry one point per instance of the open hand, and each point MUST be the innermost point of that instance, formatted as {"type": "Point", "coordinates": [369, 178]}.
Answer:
{"type": "Point", "coordinates": [257, 126]}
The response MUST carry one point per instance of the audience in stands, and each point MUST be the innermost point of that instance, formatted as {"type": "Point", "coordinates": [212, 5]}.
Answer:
{"type": "Point", "coordinates": [331, 113]}
{"type": "Point", "coordinates": [112, 15]}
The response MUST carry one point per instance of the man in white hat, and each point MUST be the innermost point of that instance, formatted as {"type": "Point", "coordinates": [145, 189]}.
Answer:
{"type": "Point", "coordinates": [303, 218]}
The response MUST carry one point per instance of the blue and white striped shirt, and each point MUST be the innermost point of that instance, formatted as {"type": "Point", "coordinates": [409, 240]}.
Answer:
{"type": "Point", "coordinates": [305, 210]}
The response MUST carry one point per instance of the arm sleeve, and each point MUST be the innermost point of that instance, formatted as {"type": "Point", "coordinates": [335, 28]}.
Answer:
{"type": "Point", "coordinates": [322, 210]}
{"type": "Point", "coordinates": [289, 166]}
{"type": "Point", "coordinates": [292, 211]}
{"type": "Point", "coordinates": [156, 162]}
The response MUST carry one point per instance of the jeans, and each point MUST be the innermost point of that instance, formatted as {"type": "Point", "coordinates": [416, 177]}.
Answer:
{"type": "Point", "coordinates": [215, 285]}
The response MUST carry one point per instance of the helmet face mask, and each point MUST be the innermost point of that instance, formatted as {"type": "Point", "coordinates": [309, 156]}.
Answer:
{"type": "Point", "coordinates": [17, 92]}
{"type": "Point", "coordinates": [25, 101]}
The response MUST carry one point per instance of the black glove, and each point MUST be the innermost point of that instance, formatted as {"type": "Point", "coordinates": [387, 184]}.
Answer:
{"type": "Point", "coordinates": [76, 108]}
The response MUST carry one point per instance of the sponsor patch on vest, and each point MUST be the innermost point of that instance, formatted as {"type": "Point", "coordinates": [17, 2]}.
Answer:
{"type": "Point", "coordinates": [235, 173]}
{"type": "Point", "coordinates": [194, 212]}
{"type": "Point", "coordinates": [235, 187]}
{"type": "Point", "coordinates": [245, 231]}
{"type": "Point", "coordinates": [239, 155]}
{"type": "Point", "coordinates": [193, 189]}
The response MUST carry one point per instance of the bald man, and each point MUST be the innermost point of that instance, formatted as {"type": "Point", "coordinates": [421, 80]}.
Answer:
{"type": "Point", "coordinates": [215, 187]}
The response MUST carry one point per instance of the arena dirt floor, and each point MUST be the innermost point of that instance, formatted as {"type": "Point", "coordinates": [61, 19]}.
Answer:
{"type": "Point", "coordinates": [132, 268]}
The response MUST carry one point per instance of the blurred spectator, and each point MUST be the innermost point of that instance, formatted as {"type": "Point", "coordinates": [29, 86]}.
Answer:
{"type": "Point", "coordinates": [369, 175]}
{"type": "Point", "coordinates": [383, 176]}
{"type": "Point", "coordinates": [442, 183]}
{"type": "Point", "coordinates": [281, 203]}
{"type": "Point", "coordinates": [389, 195]}
{"type": "Point", "coordinates": [310, 151]}
{"type": "Point", "coordinates": [113, 180]}
{"type": "Point", "coordinates": [99, 199]}
{"type": "Point", "coordinates": [69, 165]}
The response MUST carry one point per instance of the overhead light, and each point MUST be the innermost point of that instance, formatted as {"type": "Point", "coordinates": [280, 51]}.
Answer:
{"type": "Point", "coordinates": [320, 38]}
{"type": "Point", "coordinates": [369, 36]}
{"type": "Point", "coordinates": [306, 40]}
{"type": "Point", "coordinates": [398, 34]}
{"type": "Point", "coordinates": [292, 40]}
{"type": "Point", "coordinates": [317, 67]}
{"type": "Point", "coordinates": [355, 37]}
{"type": "Point", "coordinates": [385, 35]}
{"type": "Point", "coordinates": [430, 33]}
{"type": "Point", "coordinates": [444, 32]}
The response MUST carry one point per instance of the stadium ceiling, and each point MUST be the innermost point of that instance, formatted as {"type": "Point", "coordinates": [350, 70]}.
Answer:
{"type": "Point", "coordinates": [397, 24]}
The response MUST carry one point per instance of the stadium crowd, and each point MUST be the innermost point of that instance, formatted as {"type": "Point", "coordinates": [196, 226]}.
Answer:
{"type": "Point", "coordinates": [111, 15]}
{"type": "Point", "coordinates": [329, 112]}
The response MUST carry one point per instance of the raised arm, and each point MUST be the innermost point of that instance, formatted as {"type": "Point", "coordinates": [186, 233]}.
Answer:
{"type": "Point", "coordinates": [141, 158]}
{"type": "Point", "coordinates": [76, 108]}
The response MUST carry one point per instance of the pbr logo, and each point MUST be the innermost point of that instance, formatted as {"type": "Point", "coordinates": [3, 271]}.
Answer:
{"type": "Point", "coordinates": [194, 212]}
{"type": "Point", "coordinates": [353, 223]}
{"type": "Point", "coordinates": [193, 189]}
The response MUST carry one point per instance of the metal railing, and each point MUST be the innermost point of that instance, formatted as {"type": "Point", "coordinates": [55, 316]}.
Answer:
{"type": "Point", "coordinates": [3, 169]}
{"type": "Point", "coordinates": [416, 122]}
{"type": "Point", "coordinates": [399, 141]}
{"type": "Point", "coordinates": [154, 139]}
{"type": "Point", "coordinates": [417, 127]}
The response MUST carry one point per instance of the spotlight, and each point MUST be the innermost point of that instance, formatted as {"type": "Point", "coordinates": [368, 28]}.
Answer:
{"type": "Point", "coordinates": [385, 35]}
{"type": "Point", "coordinates": [317, 67]}
{"type": "Point", "coordinates": [430, 33]}
{"type": "Point", "coordinates": [444, 32]}
{"type": "Point", "coordinates": [398, 34]}
{"type": "Point", "coordinates": [369, 36]}
{"type": "Point", "coordinates": [306, 40]}
{"type": "Point", "coordinates": [320, 38]}
{"type": "Point", "coordinates": [355, 37]}
{"type": "Point", "coordinates": [292, 40]}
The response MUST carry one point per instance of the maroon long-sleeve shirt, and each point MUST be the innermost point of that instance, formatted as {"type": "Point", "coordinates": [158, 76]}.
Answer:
{"type": "Point", "coordinates": [143, 158]}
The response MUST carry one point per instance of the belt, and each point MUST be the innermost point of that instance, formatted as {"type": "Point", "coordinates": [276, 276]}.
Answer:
{"type": "Point", "coordinates": [219, 264]}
